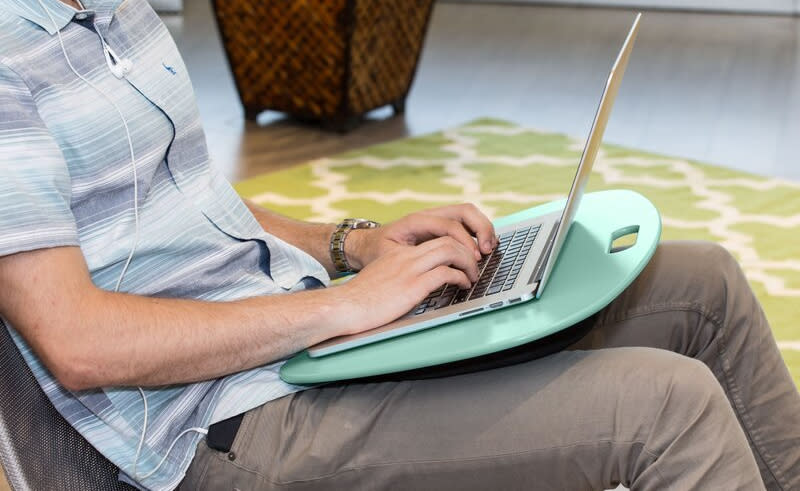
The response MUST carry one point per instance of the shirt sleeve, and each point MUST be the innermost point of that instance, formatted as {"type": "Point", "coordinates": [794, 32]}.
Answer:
{"type": "Point", "coordinates": [35, 186]}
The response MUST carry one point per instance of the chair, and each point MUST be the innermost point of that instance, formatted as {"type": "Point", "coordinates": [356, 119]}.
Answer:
{"type": "Point", "coordinates": [38, 448]}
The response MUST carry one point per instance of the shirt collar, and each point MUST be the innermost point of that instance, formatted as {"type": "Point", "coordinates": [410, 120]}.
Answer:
{"type": "Point", "coordinates": [61, 12]}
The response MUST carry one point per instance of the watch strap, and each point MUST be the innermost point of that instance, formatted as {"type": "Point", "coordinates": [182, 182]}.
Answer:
{"type": "Point", "coordinates": [338, 256]}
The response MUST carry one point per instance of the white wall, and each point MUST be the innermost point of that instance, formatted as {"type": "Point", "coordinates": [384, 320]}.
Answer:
{"type": "Point", "coordinates": [754, 6]}
{"type": "Point", "coordinates": [167, 5]}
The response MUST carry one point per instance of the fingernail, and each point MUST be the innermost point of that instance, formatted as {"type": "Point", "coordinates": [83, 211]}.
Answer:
{"type": "Point", "coordinates": [487, 245]}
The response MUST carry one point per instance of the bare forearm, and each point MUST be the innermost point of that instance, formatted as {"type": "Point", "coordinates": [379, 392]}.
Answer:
{"type": "Point", "coordinates": [313, 238]}
{"type": "Point", "coordinates": [90, 337]}
{"type": "Point", "coordinates": [121, 339]}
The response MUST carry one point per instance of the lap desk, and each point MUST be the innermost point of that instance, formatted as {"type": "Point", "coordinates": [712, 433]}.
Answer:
{"type": "Point", "coordinates": [586, 278]}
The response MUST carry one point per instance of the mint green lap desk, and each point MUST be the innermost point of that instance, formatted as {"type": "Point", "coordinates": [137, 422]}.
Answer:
{"type": "Point", "coordinates": [586, 278]}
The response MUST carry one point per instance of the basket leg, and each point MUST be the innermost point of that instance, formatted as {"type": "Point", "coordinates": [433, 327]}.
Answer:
{"type": "Point", "coordinates": [251, 113]}
{"type": "Point", "coordinates": [343, 124]}
{"type": "Point", "coordinates": [399, 106]}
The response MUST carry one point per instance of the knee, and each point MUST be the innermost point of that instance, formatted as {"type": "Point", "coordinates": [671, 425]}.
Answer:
{"type": "Point", "coordinates": [699, 261]}
{"type": "Point", "coordinates": [707, 273]}
{"type": "Point", "coordinates": [691, 381]}
{"type": "Point", "coordinates": [683, 386]}
{"type": "Point", "coordinates": [687, 409]}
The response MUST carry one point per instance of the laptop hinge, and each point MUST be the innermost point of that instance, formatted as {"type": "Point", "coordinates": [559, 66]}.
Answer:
{"type": "Point", "coordinates": [538, 271]}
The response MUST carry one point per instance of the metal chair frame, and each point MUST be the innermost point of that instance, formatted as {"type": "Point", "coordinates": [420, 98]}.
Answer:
{"type": "Point", "coordinates": [39, 450]}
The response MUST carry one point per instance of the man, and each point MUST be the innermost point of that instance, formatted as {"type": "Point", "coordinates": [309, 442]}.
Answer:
{"type": "Point", "coordinates": [151, 302]}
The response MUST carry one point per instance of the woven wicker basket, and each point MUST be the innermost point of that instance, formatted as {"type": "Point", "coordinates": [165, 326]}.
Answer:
{"type": "Point", "coordinates": [323, 60]}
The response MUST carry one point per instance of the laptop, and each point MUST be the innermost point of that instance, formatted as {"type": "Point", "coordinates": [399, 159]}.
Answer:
{"type": "Point", "coordinates": [518, 269]}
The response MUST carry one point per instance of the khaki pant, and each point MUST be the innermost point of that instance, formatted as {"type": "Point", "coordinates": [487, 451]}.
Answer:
{"type": "Point", "coordinates": [678, 375]}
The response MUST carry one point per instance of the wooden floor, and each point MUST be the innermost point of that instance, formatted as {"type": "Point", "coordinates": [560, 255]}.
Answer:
{"type": "Point", "coordinates": [719, 88]}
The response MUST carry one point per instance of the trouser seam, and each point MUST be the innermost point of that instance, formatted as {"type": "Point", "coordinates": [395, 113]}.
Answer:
{"type": "Point", "coordinates": [659, 308]}
{"type": "Point", "coordinates": [732, 388]}
{"type": "Point", "coordinates": [747, 421]}
{"type": "Point", "coordinates": [432, 461]}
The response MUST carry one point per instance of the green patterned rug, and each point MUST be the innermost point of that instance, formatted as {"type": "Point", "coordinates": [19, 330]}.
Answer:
{"type": "Point", "coordinates": [503, 168]}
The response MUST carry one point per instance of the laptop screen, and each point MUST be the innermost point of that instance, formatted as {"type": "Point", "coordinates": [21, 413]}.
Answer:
{"type": "Point", "coordinates": [591, 149]}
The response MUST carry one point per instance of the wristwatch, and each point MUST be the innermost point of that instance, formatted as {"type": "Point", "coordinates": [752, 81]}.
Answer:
{"type": "Point", "coordinates": [337, 241]}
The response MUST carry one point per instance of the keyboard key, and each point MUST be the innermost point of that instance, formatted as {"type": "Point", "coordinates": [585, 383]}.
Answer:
{"type": "Point", "coordinates": [498, 280]}
{"type": "Point", "coordinates": [517, 241]}
{"type": "Point", "coordinates": [478, 292]}
{"type": "Point", "coordinates": [501, 274]}
{"type": "Point", "coordinates": [508, 286]}
{"type": "Point", "coordinates": [450, 290]}
{"type": "Point", "coordinates": [483, 282]}
{"type": "Point", "coordinates": [443, 301]}
{"type": "Point", "coordinates": [461, 296]}
{"type": "Point", "coordinates": [493, 290]}
{"type": "Point", "coordinates": [509, 263]}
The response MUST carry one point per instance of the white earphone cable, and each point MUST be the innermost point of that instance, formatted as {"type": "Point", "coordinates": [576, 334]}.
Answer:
{"type": "Point", "coordinates": [107, 51]}
{"type": "Point", "coordinates": [202, 431]}
{"type": "Point", "coordinates": [127, 133]}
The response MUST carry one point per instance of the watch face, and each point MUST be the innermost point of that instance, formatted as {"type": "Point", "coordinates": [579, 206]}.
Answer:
{"type": "Point", "coordinates": [362, 223]}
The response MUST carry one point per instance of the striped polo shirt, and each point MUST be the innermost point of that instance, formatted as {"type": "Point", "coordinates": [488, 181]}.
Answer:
{"type": "Point", "coordinates": [66, 179]}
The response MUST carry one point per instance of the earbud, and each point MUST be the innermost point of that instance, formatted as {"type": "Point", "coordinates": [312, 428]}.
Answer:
{"type": "Point", "coordinates": [120, 68]}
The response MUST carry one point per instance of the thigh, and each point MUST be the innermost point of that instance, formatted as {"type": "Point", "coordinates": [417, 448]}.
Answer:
{"type": "Point", "coordinates": [574, 420]}
{"type": "Point", "coordinates": [693, 299]}
{"type": "Point", "coordinates": [676, 303]}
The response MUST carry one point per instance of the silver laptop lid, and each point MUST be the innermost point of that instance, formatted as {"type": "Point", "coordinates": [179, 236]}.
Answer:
{"type": "Point", "coordinates": [590, 150]}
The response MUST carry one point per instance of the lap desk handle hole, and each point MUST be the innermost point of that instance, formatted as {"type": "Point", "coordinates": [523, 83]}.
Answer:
{"type": "Point", "coordinates": [623, 238]}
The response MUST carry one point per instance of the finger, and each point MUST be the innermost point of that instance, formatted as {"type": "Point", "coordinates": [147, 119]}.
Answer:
{"type": "Point", "coordinates": [444, 275]}
{"type": "Point", "coordinates": [428, 227]}
{"type": "Point", "coordinates": [448, 252]}
{"type": "Point", "coordinates": [475, 220]}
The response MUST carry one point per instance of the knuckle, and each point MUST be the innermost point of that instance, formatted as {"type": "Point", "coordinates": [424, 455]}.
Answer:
{"type": "Point", "coordinates": [456, 248]}
{"type": "Point", "coordinates": [442, 273]}
{"type": "Point", "coordinates": [449, 241]}
{"type": "Point", "coordinates": [453, 227]}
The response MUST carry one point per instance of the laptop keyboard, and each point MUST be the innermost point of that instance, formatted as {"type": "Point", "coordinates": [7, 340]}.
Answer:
{"type": "Point", "coordinates": [498, 272]}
